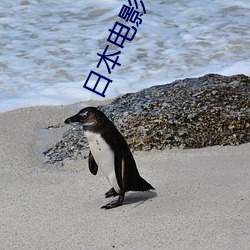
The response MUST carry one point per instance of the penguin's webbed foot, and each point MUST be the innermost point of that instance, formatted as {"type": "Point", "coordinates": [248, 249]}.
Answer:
{"type": "Point", "coordinates": [113, 204]}
{"type": "Point", "coordinates": [111, 193]}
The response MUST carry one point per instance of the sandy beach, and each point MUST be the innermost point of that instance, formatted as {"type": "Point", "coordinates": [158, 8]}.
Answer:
{"type": "Point", "coordinates": [201, 198]}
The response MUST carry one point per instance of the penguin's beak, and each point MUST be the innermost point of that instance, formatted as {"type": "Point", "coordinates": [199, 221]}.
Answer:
{"type": "Point", "coordinates": [74, 118]}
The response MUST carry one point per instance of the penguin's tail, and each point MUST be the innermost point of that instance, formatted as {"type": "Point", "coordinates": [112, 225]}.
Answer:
{"type": "Point", "coordinates": [141, 185]}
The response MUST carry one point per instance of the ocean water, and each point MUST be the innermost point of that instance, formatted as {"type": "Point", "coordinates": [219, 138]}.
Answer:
{"type": "Point", "coordinates": [48, 48]}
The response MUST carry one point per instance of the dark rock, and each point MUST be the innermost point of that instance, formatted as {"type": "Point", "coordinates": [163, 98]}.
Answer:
{"type": "Point", "coordinates": [190, 113]}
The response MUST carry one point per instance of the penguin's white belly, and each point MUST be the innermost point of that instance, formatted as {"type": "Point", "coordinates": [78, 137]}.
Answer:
{"type": "Point", "coordinates": [104, 157]}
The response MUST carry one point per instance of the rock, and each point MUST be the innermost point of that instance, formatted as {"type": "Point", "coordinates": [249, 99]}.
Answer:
{"type": "Point", "coordinates": [190, 113]}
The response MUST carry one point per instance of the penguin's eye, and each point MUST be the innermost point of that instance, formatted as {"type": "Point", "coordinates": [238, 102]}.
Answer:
{"type": "Point", "coordinates": [84, 115]}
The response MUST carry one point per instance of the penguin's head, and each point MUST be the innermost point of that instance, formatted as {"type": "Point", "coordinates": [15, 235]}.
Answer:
{"type": "Point", "coordinates": [88, 117]}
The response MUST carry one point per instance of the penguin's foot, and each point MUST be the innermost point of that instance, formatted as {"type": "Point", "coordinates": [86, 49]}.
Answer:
{"type": "Point", "coordinates": [111, 193]}
{"type": "Point", "coordinates": [113, 204]}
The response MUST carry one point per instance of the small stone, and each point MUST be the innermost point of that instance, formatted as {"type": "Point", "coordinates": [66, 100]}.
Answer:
{"type": "Point", "coordinates": [182, 132]}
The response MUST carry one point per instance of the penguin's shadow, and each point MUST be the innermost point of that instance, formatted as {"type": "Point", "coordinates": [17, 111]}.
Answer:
{"type": "Point", "coordinates": [137, 198]}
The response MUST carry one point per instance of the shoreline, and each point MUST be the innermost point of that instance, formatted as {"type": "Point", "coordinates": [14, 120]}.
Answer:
{"type": "Point", "coordinates": [201, 198]}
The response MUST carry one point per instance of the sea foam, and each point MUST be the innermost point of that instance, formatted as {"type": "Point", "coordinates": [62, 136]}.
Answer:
{"type": "Point", "coordinates": [49, 48]}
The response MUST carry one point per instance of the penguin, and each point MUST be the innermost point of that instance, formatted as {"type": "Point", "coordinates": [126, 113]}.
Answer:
{"type": "Point", "coordinates": [110, 152]}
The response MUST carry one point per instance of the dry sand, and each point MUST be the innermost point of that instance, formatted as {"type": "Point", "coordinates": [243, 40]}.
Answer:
{"type": "Point", "coordinates": [201, 201]}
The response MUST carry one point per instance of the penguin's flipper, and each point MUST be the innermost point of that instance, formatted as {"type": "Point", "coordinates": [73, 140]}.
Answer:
{"type": "Point", "coordinates": [111, 193]}
{"type": "Point", "coordinates": [118, 166]}
{"type": "Point", "coordinates": [115, 203]}
{"type": "Point", "coordinates": [93, 167]}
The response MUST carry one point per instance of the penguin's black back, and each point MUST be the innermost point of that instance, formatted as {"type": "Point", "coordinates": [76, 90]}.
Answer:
{"type": "Point", "coordinates": [132, 180]}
